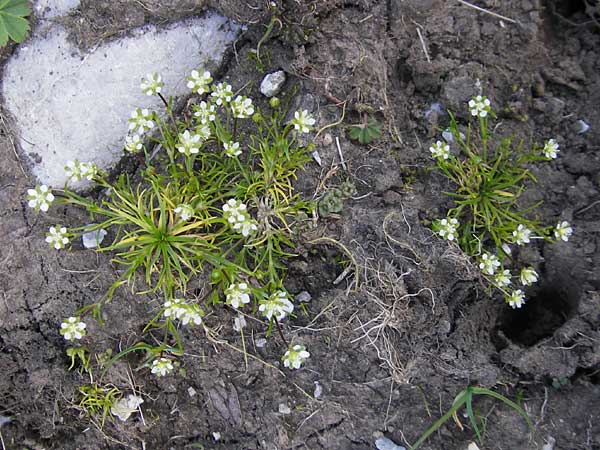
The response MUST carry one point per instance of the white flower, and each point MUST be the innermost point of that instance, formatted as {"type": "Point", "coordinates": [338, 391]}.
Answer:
{"type": "Point", "coordinates": [447, 228]}
{"type": "Point", "coordinates": [239, 323]}
{"type": "Point", "coordinates": [303, 121]}
{"type": "Point", "coordinates": [204, 132]}
{"type": "Point", "coordinates": [234, 211]}
{"type": "Point", "coordinates": [479, 106]}
{"type": "Point", "coordinates": [126, 407]}
{"type": "Point", "coordinates": [191, 313]}
{"type": "Point", "coordinates": [184, 211]}
{"type": "Point", "coordinates": [205, 113]}
{"type": "Point", "coordinates": [528, 276]}
{"type": "Point", "coordinates": [277, 305]}
{"type": "Point", "coordinates": [152, 84]}
{"type": "Point", "coordinates": [242, 107]}
{"type": "Point", "coordinates": [189, 144]}
{"type": "Point", "coordinates": [563, 230]}
{"type": "Point", "coordinates": [198, 82]}
{"type": "Point", "coordinates": [502, 278]}
{"type": "Point", "coordinates": [222, 93]}
{"type": "Point", "coordinates": [141, 121]}
{"type": "Point", "coordinates": [133, 143]}
{"type": "Point", "coordinates": [40, 198]}
{"type": "Point", "coordinates": [177, 308]}
{"type": "Point", "coordinates": [295, 356]}
{"type": "Point", "coordinates": [162, 367]}
{"type": "Point", "coordinates": [489, 263]}
{"type": "Point", "coordinates": [72, 328]}
{"type": "Point", "coordinates": [440, 150]}
{"type": "Point", "coordinates": [89, 171]}
{"type": "Point", "coordinates": [57, 237]}
{"type": "Point", "coordinates": [172, 308]}
{"type": "Point", "coordinates": [551, 149]}
{"type": "Point", "coordinates": [232, 149]}
{"type": "Point", "coordinates": [73, 169]}
{"type": "Point", "coordinates": [246, 227]}
{"type": "Point", "coordinates": [237, 295]}
{"type": "Point", "coordinates": [516, 299]}
{"type": "Point", "coordinates": [521, 235]}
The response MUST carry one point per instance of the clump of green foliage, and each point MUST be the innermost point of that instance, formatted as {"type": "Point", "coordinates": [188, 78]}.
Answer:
{"type": "Point", "coordinates": [333, 200]}
{"type": "Point", "coordinates": [214, 201]}
{"type": "Point", "coordinates": [96, 400]}
{"type": "Point", "coordinates": [465, 399]}
{"type": "Point", "coordinates": [488, 175]}
{"type": "Point", "coordinates": [365, 132]}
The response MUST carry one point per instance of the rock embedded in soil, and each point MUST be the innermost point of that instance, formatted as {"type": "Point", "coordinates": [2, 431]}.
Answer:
{"type": "Point", "coordinates": [272, 83]}
{"type": "Point", "coordinates": [71, 105]}
{"type": "Point", "coordinates": [384, 443]}
{"type": "Point", "coordinates": [48, 9]}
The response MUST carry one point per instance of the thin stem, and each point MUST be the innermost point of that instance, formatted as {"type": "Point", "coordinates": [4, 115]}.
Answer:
{"type": "Point", "coordinates": [281, 332]}
{"type": "Point", "coordinates": [169, 112]}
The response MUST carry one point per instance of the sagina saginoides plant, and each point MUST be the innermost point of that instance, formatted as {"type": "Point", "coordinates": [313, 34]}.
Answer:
{"type": "Point", "coordinates": [488, 176]}
{"type": "Point", "coordinates": [212, 200]}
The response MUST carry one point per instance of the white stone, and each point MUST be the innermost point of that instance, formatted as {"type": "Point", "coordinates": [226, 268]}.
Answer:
{"type": "Point", "coordinates": [304, 297]}
{"type": "Point", "coordinates": [239, 323]}
{"type": "Point", "coordinates": [93, 239]}
{"type": "Point", "coordinates": [384, 443]}
{"type": "Point", "coordinates": [583, 126]}
{"type": "Point", "coordinates": [272, 83]}
{"type": "Point", "coordinates": [317, 157]}
{"type": "Point", "coordinates": [48, 9]}
{"type": "Point", "coordinates": [191, 391]}
{"type": "Point", "coordinates": [284, 409]}
{"type": "Point", "coordinates": [318, 390]}
{"type": "Point", "coordinates": [68, 105]}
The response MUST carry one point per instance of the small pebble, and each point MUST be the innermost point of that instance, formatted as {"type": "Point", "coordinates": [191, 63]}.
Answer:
{"type": "Point", "coordinates": [284, 409]}
{"type": "Point", "coordinates": [449, 137]}
{"type": "Point", "coordinates": [327, 139]}
{"type": "Point", "coordinates": [550, 441]}
{"type": "Point", "coordinates": [583, 127]}
{"type": "Point", "coordinates": [191, 391]}
{"type": "Point", "coordinates": [239, 323]}
{"type": "Point", "coordinates": [472, 446]}
{"type": "Point", "coordinates": [93, 239]}
{"type": "Point", "coordinates": [260, 342]}
{"type": "Point", "coordinates": [384, 443]}
{"type": "Point", "coordinates": [318, 390]}
{"type": "Point", "coordinates": [216, 435]}
{"type": "Point", "coordinates": [434, 108]}
{"type": "Point", "coordinates": [317, 157]}
{"type": "Point", "coordinates": [4, 420]}
{"type": "Point", "coordinates": [303, 297]}
{"type": "Point", "coordinates": [272, 83]}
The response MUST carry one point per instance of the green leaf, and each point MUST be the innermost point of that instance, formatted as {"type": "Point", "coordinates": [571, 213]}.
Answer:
{"type": "Point", "coordinates": [365, 133]}
{"type": "Point", "coordinates": [12, 22]}
{"type": "Point", "coordinates": [19, 8]}
{"type": "Point", "coordinates": [3, 33]}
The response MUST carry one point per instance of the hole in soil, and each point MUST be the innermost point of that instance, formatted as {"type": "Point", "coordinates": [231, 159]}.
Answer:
{"type": "Point", "coordinates": [591, 375]}
{"type": "Point", "coordinates": [540, 317]}
{"type": "Point", "coordinates": [567, 8]}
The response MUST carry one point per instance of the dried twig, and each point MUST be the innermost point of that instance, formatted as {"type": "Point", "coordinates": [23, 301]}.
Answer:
{"type": "Point", "coordinates": [478, 8]}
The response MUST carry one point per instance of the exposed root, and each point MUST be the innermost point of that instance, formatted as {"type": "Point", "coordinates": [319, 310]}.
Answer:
{"type": "Point", "coordinates": [386, 291]}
